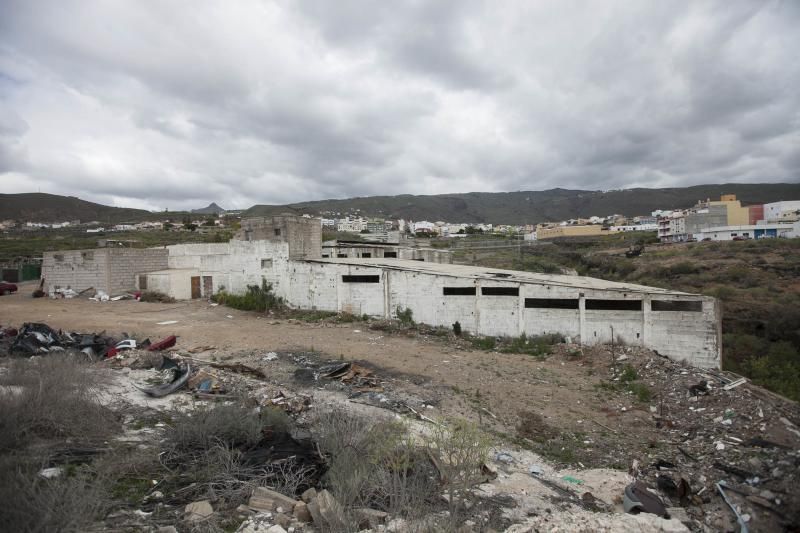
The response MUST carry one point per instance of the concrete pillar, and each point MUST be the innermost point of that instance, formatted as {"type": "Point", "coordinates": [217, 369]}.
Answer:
{"type": "Point", "coordinates": [582, 317]}
{"type": "Point", "coordinates": [478, 308]}
{"type": "Point", "coordinates": [647, 319]}
{"type": "Point", "coordinates": [387, 294]}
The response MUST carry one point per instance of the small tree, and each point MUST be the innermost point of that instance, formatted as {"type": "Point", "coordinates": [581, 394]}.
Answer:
{"type": "Point", "coordinates": [460, 450]}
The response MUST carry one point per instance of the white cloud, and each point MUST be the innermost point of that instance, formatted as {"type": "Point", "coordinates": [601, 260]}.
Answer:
{"type": "Point", "coordinates": [182, 103]}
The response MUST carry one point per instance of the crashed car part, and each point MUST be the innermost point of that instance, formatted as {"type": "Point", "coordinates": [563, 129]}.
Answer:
{"type": "Point", "coordinates": [127, 344]}
{"type": "Point", "coordinates": [178, 381]}
{"type": "Point", "coordinates": [169, 342]}
{"type": "Point", "coordinates": [638, 499]}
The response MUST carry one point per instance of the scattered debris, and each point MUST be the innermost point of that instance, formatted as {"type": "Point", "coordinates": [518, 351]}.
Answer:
{"type": "Point", "coordinates": [180, 377]}
{"type": "Point", "coordinates": [198, 511]}
{"type": "Point", "coordinates": [169, 342]}
{"type": "Point", "coordinates": [641, 498]}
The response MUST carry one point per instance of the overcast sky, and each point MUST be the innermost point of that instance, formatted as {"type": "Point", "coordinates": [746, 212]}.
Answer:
{"type": "Point", "coordinates": [176, 104]}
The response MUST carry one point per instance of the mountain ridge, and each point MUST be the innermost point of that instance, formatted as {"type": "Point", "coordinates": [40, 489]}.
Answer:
{"type": "Point", "coordinates": [519, 207]}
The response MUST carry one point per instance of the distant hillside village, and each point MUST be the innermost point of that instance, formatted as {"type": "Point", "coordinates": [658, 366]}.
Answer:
{"type": "Point", "coordinates": [723, 219]}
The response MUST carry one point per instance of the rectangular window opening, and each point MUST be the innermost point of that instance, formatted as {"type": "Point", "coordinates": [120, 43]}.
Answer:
{"type": "Point", "coordinates": [551, 303]}
{"type": "Point", "coordinates": [266, 263]}
{"type": "Point", "coordinates": [390, 254]}
{"type": "Point", "coordinates": [366, 255]}
{"type": "Point", "coordinates": [677, 305]}
{"type": "Point", "coordinates": [500, 291]}
{"type": "Point", "coordinates": [363, 278]}
{"type": "Point", "coordinates": [277, 232]}
{"type": "Point", "coordinates": [614, 305]}
{"type": "Point", "coordinates": [341, 255]}
{"type": "Point", "coordinates": [325, 256]}
{"type": "Point", "coordinates": [458, 291]}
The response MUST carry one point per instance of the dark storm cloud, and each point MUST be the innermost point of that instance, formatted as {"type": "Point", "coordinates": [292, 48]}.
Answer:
{"type": "Point", "coordinates": [182, 103]}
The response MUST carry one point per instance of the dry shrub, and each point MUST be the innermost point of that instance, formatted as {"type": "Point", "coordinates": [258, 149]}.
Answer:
{"type": "Point", "coordinates": [461, 449]}
{"type": "Point", "coordinates": [379, 464]}
{"type": "Point", "coordinates": [205, 428]}
{"type": "Point", "coordinates": [211, 454]}
{"type": "Point", "coordinates": [54, 396]}
{"type": "Point", "coordinates": [50, 408]}
{"type": "Point", "coordinates": [532, 426]}
{"type": "Point", "coordinates": [70, 502]}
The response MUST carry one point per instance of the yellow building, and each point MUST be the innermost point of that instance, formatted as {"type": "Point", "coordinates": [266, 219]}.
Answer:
{"type": "Point", "coordinates": [737, 215]}
{"type": "Point", "coordinates": [544, 231]}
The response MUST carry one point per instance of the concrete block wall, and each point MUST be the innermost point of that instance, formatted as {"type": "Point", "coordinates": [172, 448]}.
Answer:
{"type": "Point", "coordinates": [125, 264]}
{"type": "Point", "coordinates": [78, 269]}
{"type": "Point", "coordinates": [302, 234]}
{"type": "Point", "coordinates": [233, 265]}
{"type": "Point", "coordinates": [693, 336]}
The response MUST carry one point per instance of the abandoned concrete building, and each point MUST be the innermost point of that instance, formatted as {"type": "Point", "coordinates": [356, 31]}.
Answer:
{"type": "Point", "coordinates": [287, 252]}
{"type": "Point", "coordinates": [112, 270]}
{"type": "Point", "coordinates": [372, 250]}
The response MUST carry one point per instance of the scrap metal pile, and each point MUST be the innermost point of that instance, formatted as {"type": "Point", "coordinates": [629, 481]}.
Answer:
{"type": "Point", "coordinates": [728, 451]}
{"type": "Point", "coordinates": [35, 338]}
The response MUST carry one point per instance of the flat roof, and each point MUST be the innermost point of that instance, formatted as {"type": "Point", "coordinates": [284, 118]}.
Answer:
{"type": "Point", "coordinates": [171, 271]}
{"type": "Point", "coordinates": [496, 274]}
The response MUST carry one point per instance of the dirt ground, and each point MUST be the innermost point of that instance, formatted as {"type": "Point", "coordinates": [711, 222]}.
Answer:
{"type": "Point", "coordinates": [567, 408]}
{"type": "Point", "coordinates": [456, 380]}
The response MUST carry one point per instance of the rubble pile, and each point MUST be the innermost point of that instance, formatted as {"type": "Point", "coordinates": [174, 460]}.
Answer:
{"type": "Point", "coordinates": [39, 339]}
{"type": "Point", "coordinates": [719, 433]}
{"type": "Point", "coordinates": [721, 452]}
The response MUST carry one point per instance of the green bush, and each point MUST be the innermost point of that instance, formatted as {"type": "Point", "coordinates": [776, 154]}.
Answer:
{"type": "Point", "coordinates": [405, 316]}
{"type": "Point", "coordinates": [483, 343]}
{"type": "Point", "coordinates": [628, 374]}
{"type": "Point", "coordinates": [641, 391]}
{"type": "Point", "coordinates": [255, 299]}
{"type": "Point", "coordinates": [721, 292]}
{"type": "Point", "coordinates": [538, 345]}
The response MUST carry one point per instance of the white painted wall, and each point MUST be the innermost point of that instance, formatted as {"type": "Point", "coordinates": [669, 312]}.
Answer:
{"type": "Point", "coordinates": [175, 283]}
{"type": "Point", "coordinates": [693, 336]}
{"type": "Point", "coordinates": [234, 264]}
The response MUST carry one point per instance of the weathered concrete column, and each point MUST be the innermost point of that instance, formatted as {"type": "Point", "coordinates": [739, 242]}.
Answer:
{"type": "Point", "coordinates": [647, 320]}
{"type": "Point", "coordinates": [582, 317]}
{"type": "Point", "coordinates": [387, 294]}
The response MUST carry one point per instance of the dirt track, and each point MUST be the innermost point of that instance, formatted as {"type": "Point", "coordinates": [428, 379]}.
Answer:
{"type": "Point", "coordinates": [462, 382]}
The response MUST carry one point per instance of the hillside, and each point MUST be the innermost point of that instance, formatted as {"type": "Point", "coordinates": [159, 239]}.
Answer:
{"type": "Point", "coordinates": [42, 207]}
{"type": "Point", "coordinates": [519, 207]}
{"type": "Point", "coordinates": [211, 209]}
{"type": "Point", "coordinates": [534, 206]}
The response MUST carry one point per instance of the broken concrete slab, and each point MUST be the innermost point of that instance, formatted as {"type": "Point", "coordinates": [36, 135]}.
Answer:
{"type": "Point", "coordinates": [197, 511]}
{"type": "Point", "coordinates": [370, 518]}
{"type": "Point", "coordinates": [330, 510]}
{"type": "Point", "coordinates": [309, 495]}
{"type": "Point", "coordinates": [316, 516]}
{"type": "Point", "coordinates": [301, 512]}
{"type": "Point", "coordinates": [264, 499]}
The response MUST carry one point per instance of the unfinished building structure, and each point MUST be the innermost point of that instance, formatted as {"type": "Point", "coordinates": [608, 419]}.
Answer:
{"type": "Point", "coordinates": [341, 249]}
{"type": "Point", "coordinates": [287, 253]}
{"type": "Point", "coordinates": [510, 303]}
{"type": "Point", "coordinates": [112, 270]}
